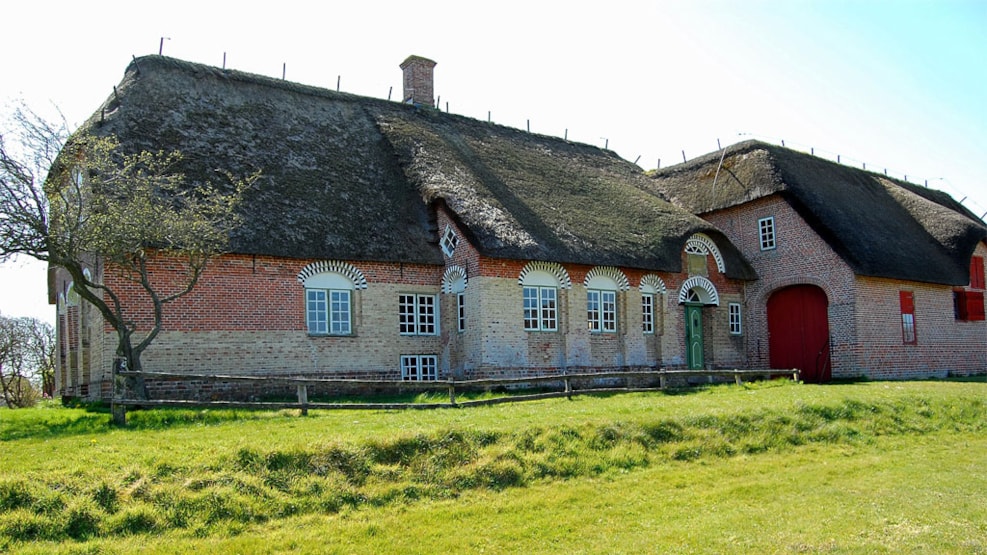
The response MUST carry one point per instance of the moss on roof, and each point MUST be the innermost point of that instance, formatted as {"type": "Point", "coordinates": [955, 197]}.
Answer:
{"type": "Point", "coordinates": [355, 178]}
{"type": "Point", "coordinates": [880, 226]}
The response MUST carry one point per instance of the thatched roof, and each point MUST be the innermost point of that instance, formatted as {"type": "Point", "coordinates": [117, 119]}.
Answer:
{"type": "Point", "coordinates": [356, 178]}
{"type": "Point", "coordinates": [880, 226]}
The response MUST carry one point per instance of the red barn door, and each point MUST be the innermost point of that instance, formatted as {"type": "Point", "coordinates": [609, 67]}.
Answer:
{"type": "Point", "coordinates": [798, 327]}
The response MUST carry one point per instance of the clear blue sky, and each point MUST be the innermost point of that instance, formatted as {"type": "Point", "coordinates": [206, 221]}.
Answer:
{"type": "Point", "coordinates": [900, 85]}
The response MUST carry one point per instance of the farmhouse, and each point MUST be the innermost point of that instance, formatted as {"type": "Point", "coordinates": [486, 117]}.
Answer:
{"type": "Point", "coordinates": [390, 240]}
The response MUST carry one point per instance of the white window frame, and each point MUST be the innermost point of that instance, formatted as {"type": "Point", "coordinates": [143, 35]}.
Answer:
{"type": "Point", "coordinates": [767, 234]}
{"type": "Point", "coordinates": [461, 312]}
{"type": "Point", "coordinates": [541, 308]}
{"type": "Point", "coordinates": [419, 368]}
{"type": "Point", "coordinates": [601, 310]}
{"type": "Point", "coordinates": [648, 313]}
{"type": "Point", "coordinates": [449, 241]}
{"type": "Point", "coordinates": [418, 314]}
{"type": "Point", "coordinates": [329, 311]}
{"type": "Point", "coordinates": [736, 319]}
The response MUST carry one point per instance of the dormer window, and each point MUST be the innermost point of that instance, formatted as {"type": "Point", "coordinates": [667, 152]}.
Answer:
{"type": "Point", "coordinates": [449, 241]}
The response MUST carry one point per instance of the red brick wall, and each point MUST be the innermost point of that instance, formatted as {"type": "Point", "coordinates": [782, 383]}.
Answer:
{"type": "Point", "coordinates": [864, 313]}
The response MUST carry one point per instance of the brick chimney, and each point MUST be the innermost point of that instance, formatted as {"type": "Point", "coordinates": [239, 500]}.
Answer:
{"type": "Point", "coordinates": [418, 80]}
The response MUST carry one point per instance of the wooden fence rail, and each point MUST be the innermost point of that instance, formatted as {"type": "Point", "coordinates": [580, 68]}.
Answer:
{"type": "Point", "coordinates": [120, 402]}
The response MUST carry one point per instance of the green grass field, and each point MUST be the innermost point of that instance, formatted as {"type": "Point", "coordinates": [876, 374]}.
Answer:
{"type": "Point", "coordinates": [874, 467]}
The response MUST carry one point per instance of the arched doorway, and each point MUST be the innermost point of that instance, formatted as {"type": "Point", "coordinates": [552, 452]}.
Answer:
{"type": "Point", "coordinates": [798, 328]}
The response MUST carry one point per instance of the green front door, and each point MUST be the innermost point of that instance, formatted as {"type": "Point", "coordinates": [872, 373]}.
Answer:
{"type": "Point", "coordinates": [694, 336]}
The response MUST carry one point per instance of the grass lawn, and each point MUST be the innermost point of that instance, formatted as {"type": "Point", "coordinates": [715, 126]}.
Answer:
{"type": "Point", "coordinates": [768, 468]}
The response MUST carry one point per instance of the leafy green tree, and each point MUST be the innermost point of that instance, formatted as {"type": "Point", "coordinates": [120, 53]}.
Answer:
{"type": "Point", "coordinates": [81, 203]}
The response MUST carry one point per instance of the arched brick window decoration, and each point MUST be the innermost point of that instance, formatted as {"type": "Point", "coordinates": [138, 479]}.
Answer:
{"type": "Point", "coordinates": [701, 244]}
{"type": "Point", "coordinates": [565, 282]}
{"type": "Point", "coordinates": [334, 266]}
{"type": "Point", "coordinates": [610, 272]}
{"type": "Point", "coordinates": [652, 284]}
{"type": "Point", "coordinates": [454, 280]}
{"type": "Point", "coordinates": [705, 289]}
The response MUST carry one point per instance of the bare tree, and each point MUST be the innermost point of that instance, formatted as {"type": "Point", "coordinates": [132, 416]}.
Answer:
{"type": "Point", "coordinates": [84, 205]}
{"type": "Point", "coordinates": [27, 360]}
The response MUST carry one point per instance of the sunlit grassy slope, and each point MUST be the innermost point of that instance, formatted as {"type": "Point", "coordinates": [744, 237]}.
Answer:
{"type": "Point", "coordinates": [769, 467]}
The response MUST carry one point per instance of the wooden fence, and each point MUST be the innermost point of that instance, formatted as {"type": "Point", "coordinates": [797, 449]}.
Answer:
{"type": "Point", "coordinates": [566, 384]}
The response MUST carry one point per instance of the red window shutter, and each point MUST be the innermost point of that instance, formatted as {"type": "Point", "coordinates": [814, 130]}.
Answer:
{"type": "Point", "coordinates": [977, 273]}
{"type": "Point", "coordinates": [974, 305]}
{"type": "Point", "coordinates": [907, 302]}
{"type": "Point", "coordinates": [959, 304]}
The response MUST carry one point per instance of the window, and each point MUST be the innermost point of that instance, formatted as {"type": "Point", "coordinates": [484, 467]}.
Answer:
{"type": "Point", "coordinates": [328, 311]}
{"type": "Point", "coordinates": [735, 321]}
{"type": "Point", "coordinates": [541, 309]}
{"type": "Point", "coordinates": [449, 241]}
{"type": "Point", "coordinates": [648, 313]}
{"type": "Point", "coordinates": [767, 229]}
{"type": "Point", "coordinates": [601, 311]}
{"type": "Point", "coordinates": [968, 305]}
{"type": "Point", "coordinates": [908, 318]}
{"type": "Point", "coordinates": [977, 273]}
{"type": "Point", "coordinates": [417, 314]}
{"type": "Point", "coordinates": [461, 311]}
{"type": "Point", "coordinates": [419, 368]}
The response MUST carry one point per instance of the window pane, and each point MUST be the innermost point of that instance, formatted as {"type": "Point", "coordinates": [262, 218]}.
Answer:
{"type": "Point", "coordinates": [767, 229]}
{"type": "Point", "coordinates": [735, 320]}
{"type": "Point", "coordinates": [531, 308]}
{"type": "Point", "coordinates": [548, 309]}
{"type": "Point", "coordinates": [409, 368]}
{"type": "Point", "coordinates": [908, 327]}
{"type": "Point", "coordinates": [340, 312]}
{"type": "Point", "coordinates": [461, 309]}
{"type": "Point", "coordinates": [609, 310]}
{"type": "Point", "coordinates": [406, 314]}
{"type": "Point", "coordinates": [429, 368]}
{"type": "Point", "coordinates": [426, 315]}
{"type": "Point", "coordinates": [316, 311]}
{"type": "Point", "coordinates": [648, 313]}
{"type": "Point", "coordinates": [593, 310]}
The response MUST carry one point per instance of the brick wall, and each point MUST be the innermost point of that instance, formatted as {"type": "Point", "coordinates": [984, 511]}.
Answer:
{"type": "Point", "coordinates": [864, 313]}
{"type": "Point", "coordinates": [800, 258]}
{"type": "Point", "coordinates": [246, 315]}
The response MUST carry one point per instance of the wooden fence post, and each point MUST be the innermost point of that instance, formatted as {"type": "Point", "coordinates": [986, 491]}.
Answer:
{"type": "Point", "coordinates": [662, 384]}
{"type": "Point", "coordinates": [568, 387]}
{"type": "Point", "coordinates": [118, 410]}
{"type": "Point", "coordinates": [303, 398]}
{"type": "Point", "coordinates": [452, 391]}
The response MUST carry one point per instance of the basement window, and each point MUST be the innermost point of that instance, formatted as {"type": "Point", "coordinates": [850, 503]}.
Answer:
{"type": "Point", "coordinates": [449, 241]}
{"type": "Point", "coordinates": [419, 368]}
{"type": "Point", "coordinates": [766, 226]}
